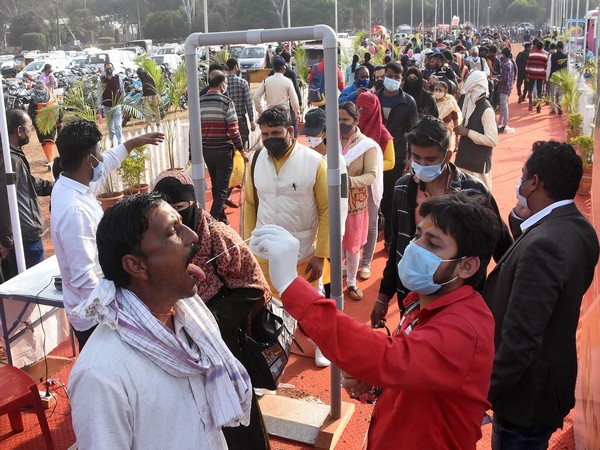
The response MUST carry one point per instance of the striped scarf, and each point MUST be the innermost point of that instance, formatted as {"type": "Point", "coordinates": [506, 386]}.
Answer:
{"type": "Point", "coordinates": [227, 384]}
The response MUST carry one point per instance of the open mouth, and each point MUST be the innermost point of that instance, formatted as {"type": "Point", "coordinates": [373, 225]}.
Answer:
{"type": "Point", "coordinates": [192, 269]}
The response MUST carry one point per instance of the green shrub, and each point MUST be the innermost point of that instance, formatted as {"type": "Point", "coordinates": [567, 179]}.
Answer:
{"type": "Point", "coordinates": [33, 41]}
{"type": "Point", "coordinates": [106, 40]}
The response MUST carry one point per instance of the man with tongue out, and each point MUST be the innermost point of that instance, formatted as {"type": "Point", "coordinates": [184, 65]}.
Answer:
{"type": "Point", "coordinates": [166, 378]}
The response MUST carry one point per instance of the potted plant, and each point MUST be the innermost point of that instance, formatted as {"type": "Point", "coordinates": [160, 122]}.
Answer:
{"type": "Point", "coordinates": [174, 89]}
{"type": "Point", "coordinates": [132, 170]}
{"type": "Point", "coordinates": [575, 120]}
{"type": "Point", "coordinates": [567, 83]}
{"type": "Point", "coordinates": [584, 145]}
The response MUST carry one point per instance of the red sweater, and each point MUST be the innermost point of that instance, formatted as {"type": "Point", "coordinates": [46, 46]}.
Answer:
{"type": "Point", "coordinates": [536, 65]}
{"type": "Point", "coordinates": [435, 379]}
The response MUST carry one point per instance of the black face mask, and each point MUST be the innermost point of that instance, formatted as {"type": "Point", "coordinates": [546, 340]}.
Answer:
{"type": "Point", "coordinates": [109, 71]}
{"type": "Point", "coordinates": [411, 84]}
{"type": "Point", "coordinates": [345, 128]}
{"type": "Point", "coordinates": [378, 85]}
{"type": "Point", "coordinates": [276, 146]}
{"type": "Point", "coordinates": [23, 141]}
{"type": "Point", "coordinates": [189, 216]}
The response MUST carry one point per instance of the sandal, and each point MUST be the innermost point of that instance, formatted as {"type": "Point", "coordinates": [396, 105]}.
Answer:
{"type": "Point", "coordinates": [355, 293]}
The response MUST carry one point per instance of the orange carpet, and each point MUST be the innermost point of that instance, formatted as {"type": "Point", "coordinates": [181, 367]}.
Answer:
{"type": "Point", "coordinates": [301, 373]}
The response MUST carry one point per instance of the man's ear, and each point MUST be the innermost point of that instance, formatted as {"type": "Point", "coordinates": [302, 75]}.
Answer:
{"type": "Point", "coordinates": [291, 130]}
{"type": "Point", "coordinates": [468, 267]}
{"type": "Point", "coordinates": [135, 266]}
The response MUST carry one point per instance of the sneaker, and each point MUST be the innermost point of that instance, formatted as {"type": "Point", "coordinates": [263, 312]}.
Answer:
{"type": "Point", "coordinates": [552, 111]}
{"type": "Point", "coordinates": [509, 130]}
{"type": "Point", "coordinates": [364, 273]}
{"type": "Point", "coordinates": [501, 129]}
{"type": "Point", "coordinates": [320, 360]}
{"type": "Point", "coordinates": [538, 108]}
{"type": "Point", "coordinates": [521, 99]}
{"type": "Point", "coordinates": [530, 106]}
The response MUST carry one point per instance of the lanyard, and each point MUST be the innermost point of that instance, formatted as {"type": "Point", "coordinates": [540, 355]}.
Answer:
{"type": "Point", "coordinates": [411, 307]}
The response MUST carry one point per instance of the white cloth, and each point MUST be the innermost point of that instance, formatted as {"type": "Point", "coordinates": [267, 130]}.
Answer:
{"type": "Point", "coordinates": [474, 88]}
{"type": "Point", "coordinates": [277, 90]}
{"type": "Point", "coordinates": [74, 218]}
{"type": "Point", "coordinates": [287, 198]}
{"type": "Point", "coordinates": [120, 399]}
{"type": "Point", "coordinates": [227, 384]}
{"type": "Point", "coordinates": [543, 213]}
{"type": "Point", "coordinates": [356, 151]}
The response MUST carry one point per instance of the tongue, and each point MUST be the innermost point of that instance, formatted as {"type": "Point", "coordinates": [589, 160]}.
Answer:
{"type": "Point", "coordinates": [195, 272]}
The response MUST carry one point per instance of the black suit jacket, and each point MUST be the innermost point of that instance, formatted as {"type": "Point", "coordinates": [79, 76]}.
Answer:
{"type": "Point", "coordinates": [535, 294]}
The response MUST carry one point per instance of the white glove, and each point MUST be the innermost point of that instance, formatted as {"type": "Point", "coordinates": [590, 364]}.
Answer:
{"type": "Point", "coordinates": [280, 248]}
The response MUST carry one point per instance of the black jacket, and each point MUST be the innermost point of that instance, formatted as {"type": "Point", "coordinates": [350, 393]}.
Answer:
{"type": "Point", "coordinates": [28, 189]}
{"type": "Point", "coordinates": [404, 226]}
{"type": "Point", "coordinates": [535, 293]}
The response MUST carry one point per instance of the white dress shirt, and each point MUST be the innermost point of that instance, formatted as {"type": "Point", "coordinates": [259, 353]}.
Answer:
{"type": "Point", "coordinates": [543, 213]}
{"type": "Point", "coordinates": [121, 399]}
{"type": "Point", "coordinates": [277, 90]}
{"type": "Point", "coordinates": [74, 218]}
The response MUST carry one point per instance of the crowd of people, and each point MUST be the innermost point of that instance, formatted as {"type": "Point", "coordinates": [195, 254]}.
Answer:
{"type": "Point", "coordinates": [158, 290]}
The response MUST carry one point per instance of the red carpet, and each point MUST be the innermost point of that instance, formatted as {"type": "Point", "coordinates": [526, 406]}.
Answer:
{"type": "Point", "coordinates": [308, 381]}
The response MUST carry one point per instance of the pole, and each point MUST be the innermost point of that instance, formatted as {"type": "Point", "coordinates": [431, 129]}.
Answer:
{"type": "Point", "coordinates": [393, 22]}
{"type": "Point", "coordinates": [585, 29]}
{"type": "Point", "coordinates": [370, 20]}
{"type": "Point", "coordinates": [289, 20]}
{"type": "Point", "coordinates": [11, 189]}
{"type": "Point", "coordinates": [335, 13]}
{"type": "Point", "coordinates": [412, 6]}
{"type": "Point", "coordinates": [207, 54]}
{"type": "Point", "coordinates": [552, 6]}
{"type": "Point", "coordinates": [422, 25]}
{"type": "Point", "coordinates": [435, 21]}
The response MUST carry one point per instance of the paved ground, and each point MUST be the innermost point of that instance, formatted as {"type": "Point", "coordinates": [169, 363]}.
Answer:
{"type": "Point", "coordinates": [306, 380]}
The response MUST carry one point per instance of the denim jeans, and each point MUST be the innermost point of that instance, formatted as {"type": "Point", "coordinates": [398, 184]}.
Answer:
{"type": "Point", "coordinates": [503, 110]}
{"type": "Point", "coordinates": [34, 254]}
{"type": "Point", "coordinates": [220, 165]}
{"type": "Point", "coordinates": [114, 124]}
{"type": "Point", "coordinates": [554, 94]}
{"type": "Point", "coordinates": [508, 436]}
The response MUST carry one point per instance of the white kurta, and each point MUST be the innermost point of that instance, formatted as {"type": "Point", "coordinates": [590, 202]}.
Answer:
{"type": "Point", "coordinates": [120, 399]}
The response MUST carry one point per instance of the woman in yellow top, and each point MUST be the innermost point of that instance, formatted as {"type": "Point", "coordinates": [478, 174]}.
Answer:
{"type": "Point", "coordinates": [448, 110]}
{"type": "Point", "coordinates": [364, 160]}
{"type": "Point", "coordinates": [371, 125]}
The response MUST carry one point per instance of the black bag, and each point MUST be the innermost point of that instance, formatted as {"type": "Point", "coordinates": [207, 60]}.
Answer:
{"type": "Point", "coordinates": [265, 354]}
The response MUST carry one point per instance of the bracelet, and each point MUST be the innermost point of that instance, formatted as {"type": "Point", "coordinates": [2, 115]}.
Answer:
{"type": "Point", "coordinates": [381, 302]}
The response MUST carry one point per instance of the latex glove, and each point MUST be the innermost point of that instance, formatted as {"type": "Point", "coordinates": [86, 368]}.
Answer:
{"type": "Point", "coordinates": [280, 248]}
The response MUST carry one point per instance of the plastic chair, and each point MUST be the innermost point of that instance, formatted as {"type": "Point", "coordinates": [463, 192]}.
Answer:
{"type": "Point", "coordinates": [18, 390]}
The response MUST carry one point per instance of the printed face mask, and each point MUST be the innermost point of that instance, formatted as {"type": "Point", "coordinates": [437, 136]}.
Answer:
{"type": "Point", "coordinates": [314, 141]}
{"type": "Point", "coordinates": [417, 267]}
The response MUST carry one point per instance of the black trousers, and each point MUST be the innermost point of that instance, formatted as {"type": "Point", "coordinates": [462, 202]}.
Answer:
{"type": "Point", "coordinates": [522, 82]}
{"type": "Point", "coordinates": [387, 201]}
{"type": "Point", "coordinates": [536, 89]}
{"type": "Point", "coordinates": [220, 165]}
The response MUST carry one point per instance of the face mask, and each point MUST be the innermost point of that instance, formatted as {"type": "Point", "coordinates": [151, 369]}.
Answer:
{"type": "Point", "coordinates": [439, 95]}
{"type": "Point", "coordinates": [314, 141]}
{"type": "Point", "coordinates": [416, 269]}
{"type": "Point", "coordinates": [428, 173]}
{"type": "Point", "coordinates": [276, 146]}
{"type": "Point", "coordinates": [390, 84]}
{"type": "Point", "coordinates": [363, 83]}
{"type": "Point", "coordinates": [189, 216]}
{"type": "Point", "coordinates": [522, 200]}
{"type": "Point", "coordinates": [98, 170]}
{"type": "Point", "coordinates": [345, 129]}
{"type": "Point", "coordinates": [109, 71]}
{"type": "Point", "coordinates": [378, 84]}
{"type": "Point", "coordinates": [411, 84]}
{"type": "Point", "coordinates": [23, 140]}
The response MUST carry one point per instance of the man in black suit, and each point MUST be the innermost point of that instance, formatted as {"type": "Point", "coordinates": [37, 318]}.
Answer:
{"type": "Point", "coordinates": [535, 294]}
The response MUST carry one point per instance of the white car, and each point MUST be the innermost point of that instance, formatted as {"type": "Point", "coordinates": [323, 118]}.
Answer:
{"type": "Point", "coordinates": [172, 60]}
{"type": "Point", "coordinates": [35, 68]}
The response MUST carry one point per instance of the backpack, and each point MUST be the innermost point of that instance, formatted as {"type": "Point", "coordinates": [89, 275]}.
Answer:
{"type": "Point", "coordinates": [316, 88]}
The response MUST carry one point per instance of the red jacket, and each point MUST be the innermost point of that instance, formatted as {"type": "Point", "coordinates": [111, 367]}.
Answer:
{"type": "Point", "coordinates": [435, 380]}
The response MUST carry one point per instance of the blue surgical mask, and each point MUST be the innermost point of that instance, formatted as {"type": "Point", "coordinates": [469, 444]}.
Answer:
{"type": "Point", "coordinates": [416, 269]}
{"type": "Point", "coordinates": [98, 170]}
{"type": "Point", "coordinates": [428, 173]}
{"type": "Point", "coordinates": [390, 84]}
{"type": "Point", "coordinates": [363, 83]}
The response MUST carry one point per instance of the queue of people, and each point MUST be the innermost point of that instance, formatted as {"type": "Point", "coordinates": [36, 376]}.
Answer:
{"type": "Point", "coordinates": [157, 289]}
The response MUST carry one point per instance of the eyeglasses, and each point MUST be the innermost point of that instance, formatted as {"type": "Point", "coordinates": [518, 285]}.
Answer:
{"type": "Point", "coordinates": [28, 127]}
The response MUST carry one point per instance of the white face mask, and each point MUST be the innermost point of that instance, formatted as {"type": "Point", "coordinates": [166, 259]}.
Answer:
{"type": "Point", "coordinates": [522, 200]}
{"type": "Point", "coordinates": [439, 95]}
{"type": "Point", "coordinates": [314, 141]}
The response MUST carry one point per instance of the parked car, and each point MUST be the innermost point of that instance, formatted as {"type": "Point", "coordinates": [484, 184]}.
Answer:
{"type": "Point", "coordinates": [404, 29]}
{"type": "Point", "coordinates": [172, 60]}
{"type": "Point", "coordinates": [253, 57]}
{"type": "Point", "coordinates": [35, 68]}
{"type": "Point", "coordinates": [120, 60]}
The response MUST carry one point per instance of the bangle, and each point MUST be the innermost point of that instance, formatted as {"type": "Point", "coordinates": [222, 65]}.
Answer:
{"type": "Point", "coordinates": [381, 302]}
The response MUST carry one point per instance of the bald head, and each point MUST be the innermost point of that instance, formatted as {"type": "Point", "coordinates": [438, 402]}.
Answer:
{"type": "Point", "coordinates": [215, 78]}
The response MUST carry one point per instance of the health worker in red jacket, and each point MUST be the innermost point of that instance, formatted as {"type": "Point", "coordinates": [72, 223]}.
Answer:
{"type": "Point", "coordinates": [431, 378]}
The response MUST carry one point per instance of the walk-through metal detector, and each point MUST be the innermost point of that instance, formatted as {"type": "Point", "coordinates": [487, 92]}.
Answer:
{"type": "Point", "coordinates": [328, 37]}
